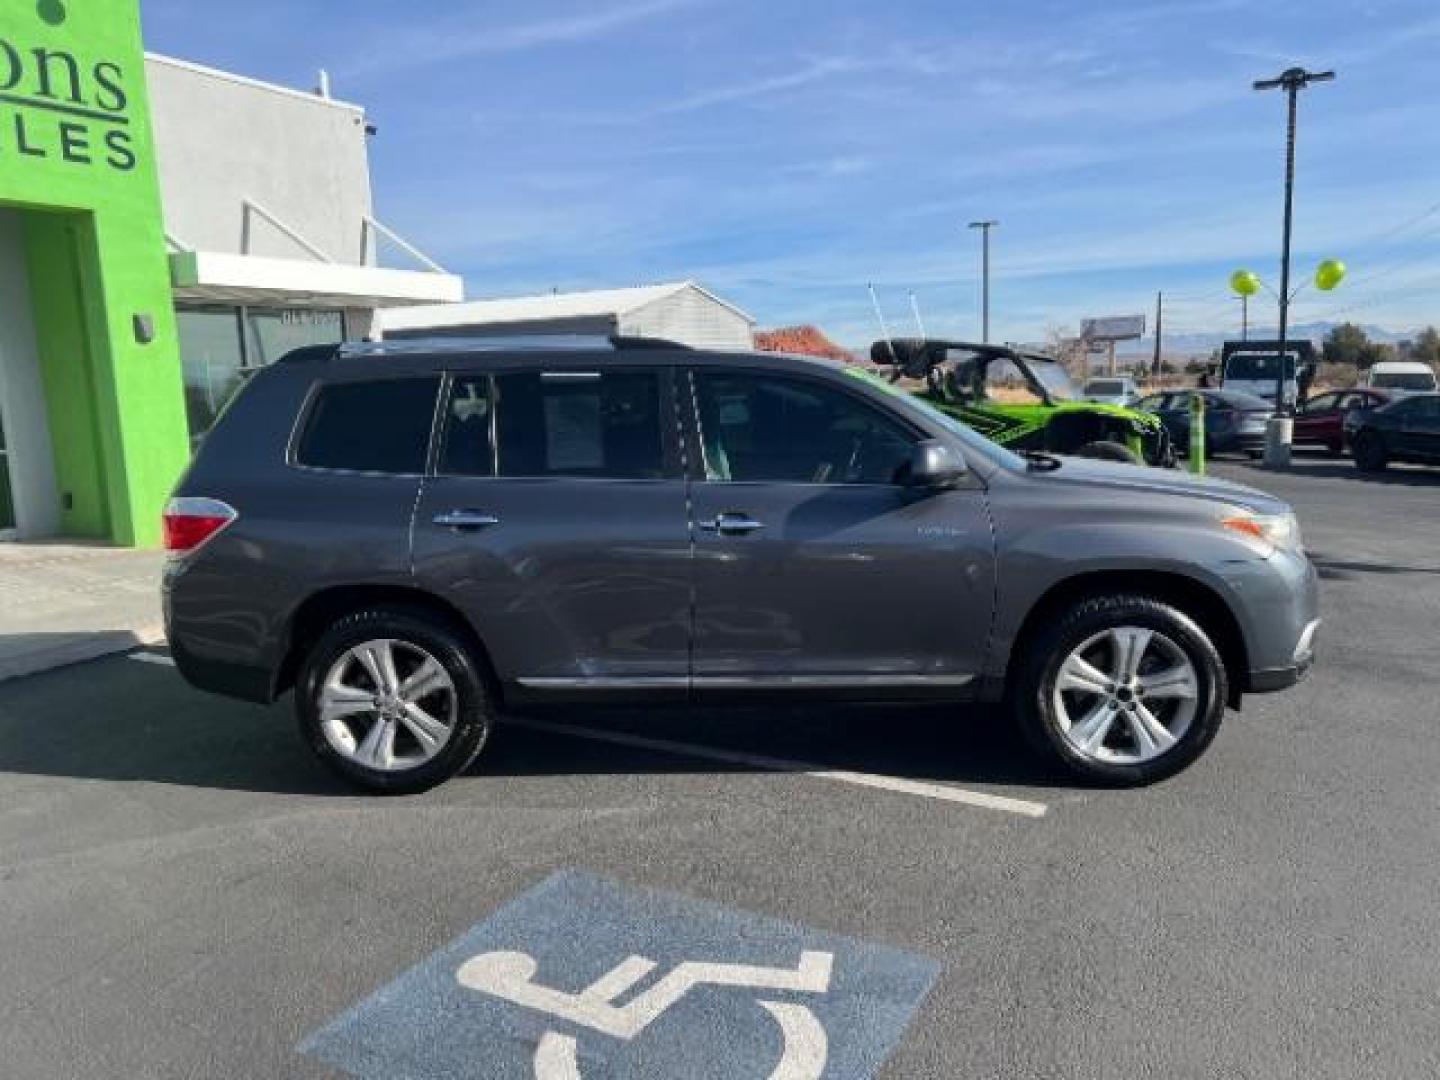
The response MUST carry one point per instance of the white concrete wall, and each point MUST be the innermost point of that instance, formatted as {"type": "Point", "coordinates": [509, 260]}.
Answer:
{"type": "Point", "coordinates": [691, 318]}
{"type": "Point", "coordinates": [22, 394]}
{"type": "Point", "coordinates": [221, 139]}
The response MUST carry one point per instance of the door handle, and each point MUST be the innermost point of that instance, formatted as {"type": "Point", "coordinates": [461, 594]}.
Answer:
{"type": "Point", "coordinates": [731, 524]}
{"type": "Point", "coordinates": [465, 519]}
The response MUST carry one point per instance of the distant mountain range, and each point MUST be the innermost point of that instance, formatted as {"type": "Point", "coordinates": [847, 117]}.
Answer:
{"type": "Point", "coordinates": [1204, 344]}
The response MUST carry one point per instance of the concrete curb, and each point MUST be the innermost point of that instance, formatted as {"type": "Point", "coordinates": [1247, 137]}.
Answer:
{"type": "Point", "coordinates": [77, 648]}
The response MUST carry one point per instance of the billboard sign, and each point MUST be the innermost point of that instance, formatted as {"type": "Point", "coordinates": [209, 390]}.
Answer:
{"type": "Point", "coordinates": [1114, 328]}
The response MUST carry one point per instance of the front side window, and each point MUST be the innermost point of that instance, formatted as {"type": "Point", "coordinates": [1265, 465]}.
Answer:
{"type": "Point", "coordinates": [597, 425]}
{"type": "Point", "coordinates": [378, 426]}
{"type": "Point", "coordinates": [757, 427]}
{"type": "Point", "coordinates": [1325, 403]}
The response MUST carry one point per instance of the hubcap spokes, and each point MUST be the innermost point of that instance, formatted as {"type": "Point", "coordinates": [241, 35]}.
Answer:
{"type": "Point", "coordinates": [1126, 695]}
{"type": "Point", "coordinates": [388, 705]}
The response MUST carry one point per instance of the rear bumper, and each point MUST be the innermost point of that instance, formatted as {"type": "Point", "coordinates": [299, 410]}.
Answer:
{"type": "Point", "coordinates": [201, 661]}
{"type": "Point", "coordinates": [222, 677]}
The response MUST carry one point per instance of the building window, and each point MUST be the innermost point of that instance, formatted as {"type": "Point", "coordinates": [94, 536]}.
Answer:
{"type": "Point", "coordinates": [213, 363]}
{"type": "Point", "coordinates": [270, 334]}
{"type": "Point", "coordinates": [220, 347]}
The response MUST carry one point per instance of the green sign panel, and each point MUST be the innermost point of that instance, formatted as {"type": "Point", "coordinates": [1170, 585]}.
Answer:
{"type": "Point", "coordinates": [76, 157]}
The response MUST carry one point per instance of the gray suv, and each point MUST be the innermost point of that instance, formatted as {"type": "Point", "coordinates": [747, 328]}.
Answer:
{"type": "Point", "coordinates": [418, 536]}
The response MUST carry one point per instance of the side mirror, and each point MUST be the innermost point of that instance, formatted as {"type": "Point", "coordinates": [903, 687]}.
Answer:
{"type": "Point", "coordinates": [935, 465]}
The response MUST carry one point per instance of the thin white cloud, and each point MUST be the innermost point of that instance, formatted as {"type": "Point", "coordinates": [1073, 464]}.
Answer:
{"type": "Point", "coordinates": [766, 86]}
{"type": "Point", "coordinates": [459, 39]}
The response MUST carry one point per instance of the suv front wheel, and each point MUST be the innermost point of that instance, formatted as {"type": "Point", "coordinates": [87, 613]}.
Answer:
{"type": "Point", "coordinates": [1121, 690]}
{"type": "Point", "coordinates": [392, 700]}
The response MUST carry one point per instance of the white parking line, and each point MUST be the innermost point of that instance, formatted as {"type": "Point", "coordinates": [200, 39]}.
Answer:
{"type": "Point", "coordinates": [151, 658]}
{"type": "Point", "coordinates": [940, 792]}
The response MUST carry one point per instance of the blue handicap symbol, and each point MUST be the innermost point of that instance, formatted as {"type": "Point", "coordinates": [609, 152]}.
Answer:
{"type": "Point", "coordinates": [582, 979]}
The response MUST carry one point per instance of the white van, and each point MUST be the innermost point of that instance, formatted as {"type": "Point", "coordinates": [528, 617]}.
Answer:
{"type": "Point", "coordinates": [1404, 376]}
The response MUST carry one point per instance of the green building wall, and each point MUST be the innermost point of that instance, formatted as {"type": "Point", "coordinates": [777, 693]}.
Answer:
{"type": "Point", "coordinates": [77, 155]}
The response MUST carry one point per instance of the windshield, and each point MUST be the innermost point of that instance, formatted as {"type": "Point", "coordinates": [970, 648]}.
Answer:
{"type": "Point", "coordinates": [1055, 379]}
{"type": "Point", "coordinates": [972, 438]}
{"type": "Point", "coordinates": [1404, 380]}
{"type": "Point", "coordinates": [1258, 366]}
{"type": "Point", "coordinates": [1105, 387]}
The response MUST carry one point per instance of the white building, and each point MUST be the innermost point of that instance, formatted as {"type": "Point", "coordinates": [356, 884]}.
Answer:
{"type": "Point", "coordinates": [682, 312]}
{"type": "Point", "coordinates": [268, 214]}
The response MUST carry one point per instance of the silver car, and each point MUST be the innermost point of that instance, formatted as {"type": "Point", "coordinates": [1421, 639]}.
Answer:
{"type": "Point", "coordinates": [1112, 390]}
{"type": "Point", "coordinates": [419, 537]}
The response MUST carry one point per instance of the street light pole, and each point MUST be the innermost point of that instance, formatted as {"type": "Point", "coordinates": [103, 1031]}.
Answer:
{"type": "Point", "coordinates": [984, 227]}
{"type": "Point", "coordinates": [1244, 317]}
{"type": "Point", "coordinates": [1280, 431]}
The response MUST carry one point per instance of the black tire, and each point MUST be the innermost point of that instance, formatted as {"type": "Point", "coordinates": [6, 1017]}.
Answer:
{"type": "Point", "coordinates": [1033, 689]}
{"type": "Point", "coordinates": [1369, 452]}
{"type": "Point", "coordinates": [474, 710]}
{"type": "Point", "coordinates": [1105, 450]}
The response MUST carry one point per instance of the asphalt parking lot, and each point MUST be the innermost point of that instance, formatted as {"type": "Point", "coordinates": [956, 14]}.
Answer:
{"type": "Point", "coordinates": [184, 893]}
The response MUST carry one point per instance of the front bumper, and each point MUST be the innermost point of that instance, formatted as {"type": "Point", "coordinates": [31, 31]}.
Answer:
{"type": "Point", "coordinates": [1271, 679]}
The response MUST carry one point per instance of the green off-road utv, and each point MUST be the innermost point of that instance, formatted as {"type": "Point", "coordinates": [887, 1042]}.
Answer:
{"type": "Point", "coordinates": [960, 376]}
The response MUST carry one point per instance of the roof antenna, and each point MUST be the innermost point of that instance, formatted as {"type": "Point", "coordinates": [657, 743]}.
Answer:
{"type": "Point", "coordinates": [919, 322]}
{"type": "Point", "coordinates": [884, 330]}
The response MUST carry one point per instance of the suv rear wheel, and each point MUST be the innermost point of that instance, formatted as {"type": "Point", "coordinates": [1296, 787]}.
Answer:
{"type": "Point", "coordinates": [392, 700]}
{"type": "Point", "coordinates": [1121, 690]}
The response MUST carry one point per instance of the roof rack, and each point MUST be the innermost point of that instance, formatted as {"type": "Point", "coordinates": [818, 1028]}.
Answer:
{"type": "Point", "coordinates": [428, 346]}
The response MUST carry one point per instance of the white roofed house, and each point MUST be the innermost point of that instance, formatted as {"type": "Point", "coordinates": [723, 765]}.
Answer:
{"type": "Point", "coordinates": [682, 312]}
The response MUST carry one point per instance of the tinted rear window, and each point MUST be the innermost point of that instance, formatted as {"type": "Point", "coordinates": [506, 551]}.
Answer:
{"type": "Point", "coordinates": [381, 426]}
{"type": "Point", "coordinates": [1403, 380]}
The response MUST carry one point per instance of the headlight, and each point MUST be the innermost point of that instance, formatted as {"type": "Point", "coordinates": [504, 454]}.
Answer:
{"type": "Point", "coordinates": [1271, 532]}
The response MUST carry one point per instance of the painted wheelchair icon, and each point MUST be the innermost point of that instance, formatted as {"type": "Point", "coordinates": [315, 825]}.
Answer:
{"type": "Point", "coordinates": [510, 976]}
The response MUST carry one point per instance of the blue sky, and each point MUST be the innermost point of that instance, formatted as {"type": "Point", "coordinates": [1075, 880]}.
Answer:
{"type": "Point", "coordinates": [786, 153]}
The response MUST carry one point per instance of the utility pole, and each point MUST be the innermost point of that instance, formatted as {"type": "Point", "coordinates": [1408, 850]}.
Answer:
{"type": "Point", "coordinates": [1159, 324]}
{"type": "Point", "coordinates": [1280, 431]}
{"type": "Point", "coordinates": [984, 227]}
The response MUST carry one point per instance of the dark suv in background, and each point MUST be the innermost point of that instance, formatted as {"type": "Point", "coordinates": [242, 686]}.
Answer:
{"type": "Point", "coordinates": [419, 535]}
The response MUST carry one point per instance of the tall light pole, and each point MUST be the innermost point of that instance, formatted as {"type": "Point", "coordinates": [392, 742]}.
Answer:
{"type": "Point", "coordinates": [1244, 316]}
{"type": "Point", "coordinates": [984, 227]}
{"type": "Point", "coordinates": [1280, 430]}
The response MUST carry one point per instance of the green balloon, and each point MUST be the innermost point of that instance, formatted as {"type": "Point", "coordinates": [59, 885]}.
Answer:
{"type": "Point", "coordinates": [1245, 282]}
{"type": "Point", "coordinates": [1329, 274]}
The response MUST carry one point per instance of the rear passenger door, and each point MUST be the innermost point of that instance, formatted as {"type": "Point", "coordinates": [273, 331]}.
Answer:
{"type": "Point", "coordinates": [555, 518]}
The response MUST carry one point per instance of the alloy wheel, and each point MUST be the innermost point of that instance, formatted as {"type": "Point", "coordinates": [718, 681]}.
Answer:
{"type": "Point", "coordinates": [1126, 696]}
{"type": "Point", "coordinates": [387, 705]}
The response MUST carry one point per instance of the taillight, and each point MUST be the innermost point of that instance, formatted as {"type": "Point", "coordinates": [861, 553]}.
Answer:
{"type": "Point", "coordinates": [189, 522]}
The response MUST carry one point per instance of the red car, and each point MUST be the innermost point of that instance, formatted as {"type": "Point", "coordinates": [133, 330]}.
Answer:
{"type": "Point", "coordinates": [1321, 420]}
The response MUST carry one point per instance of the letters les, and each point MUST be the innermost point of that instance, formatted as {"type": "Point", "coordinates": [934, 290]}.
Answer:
{"type": "Point", "coordinates": [53, 105]}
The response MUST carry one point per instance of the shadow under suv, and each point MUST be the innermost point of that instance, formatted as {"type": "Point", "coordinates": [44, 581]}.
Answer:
{"type": "Point", "coordinates": [415, 536]}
